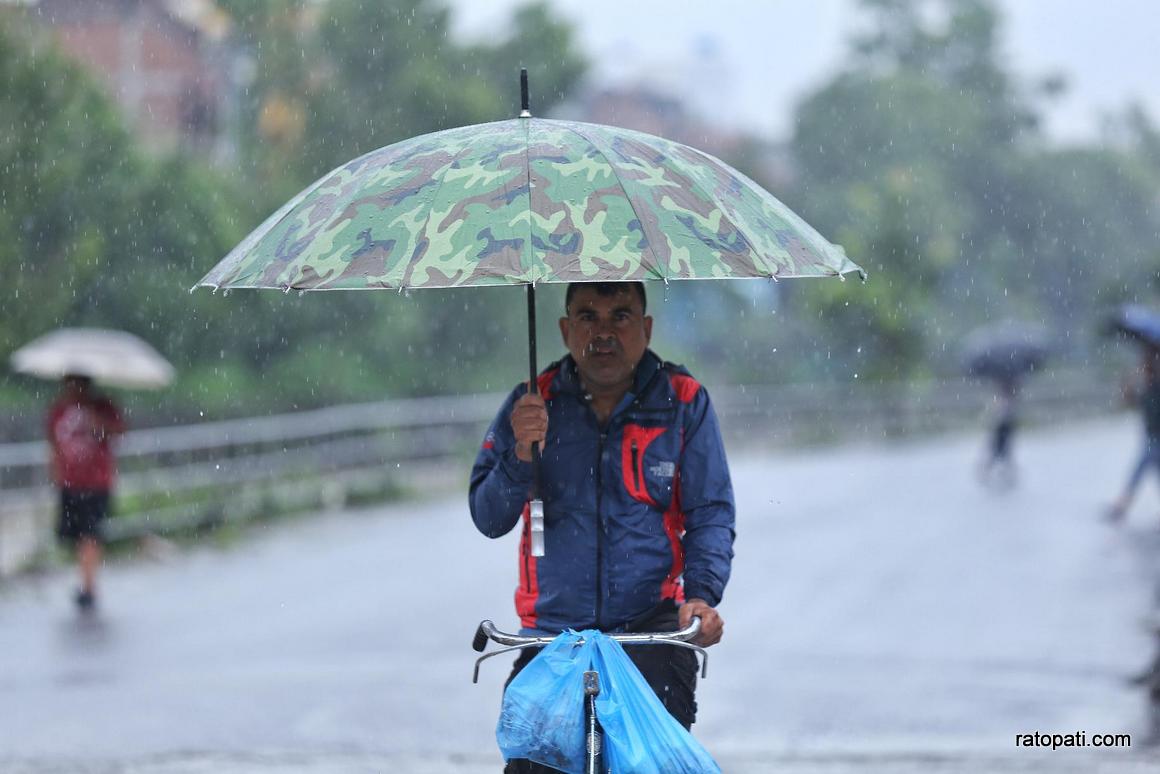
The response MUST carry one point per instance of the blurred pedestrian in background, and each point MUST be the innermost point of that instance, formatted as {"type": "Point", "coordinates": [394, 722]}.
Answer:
{"type": "Point", "coordinates": [998, 466]}
{"type": "Point", "coordinates": [1004, 354]}
{"type": "Point", "coordinates": [82, 425]}
{"type": "Point", "coordinates": [1142, 391]}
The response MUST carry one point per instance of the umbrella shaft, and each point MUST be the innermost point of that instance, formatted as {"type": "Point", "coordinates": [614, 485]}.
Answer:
{"type": "Point", "coordinates": [533, 383]}
{"type": "Point", "coordinates": [532, 386]}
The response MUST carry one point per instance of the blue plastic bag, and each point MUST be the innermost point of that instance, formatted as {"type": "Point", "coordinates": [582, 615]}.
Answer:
{"type": "Point", "coordinates": [640, 736]}
{"type": "Point", "coordinates": [542, 718]}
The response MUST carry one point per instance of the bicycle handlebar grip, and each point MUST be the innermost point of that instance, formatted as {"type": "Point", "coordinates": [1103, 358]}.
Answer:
{"type": "Point", "coordinates": [480, 640]}
{"type": "Point", "coordinates": [695, 626]}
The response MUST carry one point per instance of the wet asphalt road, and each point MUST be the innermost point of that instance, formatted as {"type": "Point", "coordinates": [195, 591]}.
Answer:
{"type": "Point", "coordinates": [886, 615]}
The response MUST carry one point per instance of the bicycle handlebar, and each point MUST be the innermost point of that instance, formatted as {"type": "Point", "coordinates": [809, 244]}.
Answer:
{"type": "Point", "coordinates": [680, 638]}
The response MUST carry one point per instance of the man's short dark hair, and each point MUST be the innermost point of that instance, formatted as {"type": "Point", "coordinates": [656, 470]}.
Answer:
{"type": "Point", "coordinates": [606, 289]}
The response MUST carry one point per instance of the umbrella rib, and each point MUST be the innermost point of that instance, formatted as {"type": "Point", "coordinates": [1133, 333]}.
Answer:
{"type": "Point", "coordinates": [656, 259]}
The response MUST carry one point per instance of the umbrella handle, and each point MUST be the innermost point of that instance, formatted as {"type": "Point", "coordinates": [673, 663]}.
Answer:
{"type": "Point", "coordinates": [536, 526]}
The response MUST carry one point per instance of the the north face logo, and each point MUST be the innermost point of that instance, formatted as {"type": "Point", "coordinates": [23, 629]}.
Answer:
{"type": "Point", "coordinates": [663, 469]}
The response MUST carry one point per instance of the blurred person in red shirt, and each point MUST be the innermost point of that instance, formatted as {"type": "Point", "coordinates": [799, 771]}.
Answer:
{"type": "Point", "coordinates": [82, 424]}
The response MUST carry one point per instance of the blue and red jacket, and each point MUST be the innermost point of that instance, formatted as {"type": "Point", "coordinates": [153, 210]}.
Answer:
{"type": "Point", "coordinates": [634, 513]}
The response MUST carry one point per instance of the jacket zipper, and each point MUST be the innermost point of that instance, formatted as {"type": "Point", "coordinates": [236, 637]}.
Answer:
{"type": "Point", "coordinates": [599, 526]}
{"type": "Point", "coordinates": [635, 468]}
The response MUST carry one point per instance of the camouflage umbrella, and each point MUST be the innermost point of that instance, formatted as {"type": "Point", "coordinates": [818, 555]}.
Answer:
{"type": "Point", "coordinates": [526, 201]}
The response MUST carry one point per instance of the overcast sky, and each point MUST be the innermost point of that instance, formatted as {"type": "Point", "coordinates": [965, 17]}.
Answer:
{"type": "Point", "coordinates": [747, 61]}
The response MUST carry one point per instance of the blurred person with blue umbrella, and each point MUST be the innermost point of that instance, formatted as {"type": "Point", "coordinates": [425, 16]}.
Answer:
{"type": "Point", "coordinates": [1004, 354]}
{"type": "Point", "coordinates": [1142, 326]}
{"type": "Point", "coordinates": [82, 427]}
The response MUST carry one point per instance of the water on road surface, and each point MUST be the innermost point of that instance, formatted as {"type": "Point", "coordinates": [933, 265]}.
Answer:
{"type": "Point", "coordinates": [886, 614]}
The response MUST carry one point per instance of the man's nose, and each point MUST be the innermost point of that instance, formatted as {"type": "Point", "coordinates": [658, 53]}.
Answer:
{"type": "Point", "coordinates": [603, 327]}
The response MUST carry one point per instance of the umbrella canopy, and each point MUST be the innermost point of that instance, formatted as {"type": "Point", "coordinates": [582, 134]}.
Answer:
{"type": "Point", "coordinates": [1137, 322]}
{"type": "Point", "coordinates": [527, 201]}
{"type": "Point", "coordinates": [112, 358]}
{"type": "Point", "coordinates": [1006, 351]}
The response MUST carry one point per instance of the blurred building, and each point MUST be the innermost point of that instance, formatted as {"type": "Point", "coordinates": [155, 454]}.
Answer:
{"type": "Point", "coordinates": [164, 61]}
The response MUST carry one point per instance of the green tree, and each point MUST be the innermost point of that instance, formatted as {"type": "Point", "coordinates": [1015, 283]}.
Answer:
{"type": "Point", "coordinates": [544, 45]}
{"type": "Point", "coordinates": [924, 157]}
{"type": "Point", "coordinates": [340, 78]}
{"type": "Point", "coordinates": [337, 79]}
{"type": "Point", "coordinates": [92, 231]}
{"type": "Point", "coordinates": [66, 162]}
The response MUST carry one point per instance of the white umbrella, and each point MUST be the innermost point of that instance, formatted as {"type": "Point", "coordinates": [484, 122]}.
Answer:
{"type": "Point", "coordinates": [112, 358]}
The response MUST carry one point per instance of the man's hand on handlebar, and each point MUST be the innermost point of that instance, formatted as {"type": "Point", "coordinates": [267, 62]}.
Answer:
{"type": "Point", "coordinates": [712, 624]}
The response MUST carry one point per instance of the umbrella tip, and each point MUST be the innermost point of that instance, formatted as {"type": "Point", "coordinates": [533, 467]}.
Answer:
{"type": "Point", "coordinates": [525, 103]}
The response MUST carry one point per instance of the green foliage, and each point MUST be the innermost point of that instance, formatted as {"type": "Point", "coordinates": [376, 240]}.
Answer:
{"type": "Point", "coordinates": [339, 79]}
{"type": "Point", "coordinates": [545, 47]}
{"type": "Point", "coordinates": [95, 232]}
{"type": "Point", "coordinates": [66, 163]}
{"type": "Point", "coordinates": [924, 159]}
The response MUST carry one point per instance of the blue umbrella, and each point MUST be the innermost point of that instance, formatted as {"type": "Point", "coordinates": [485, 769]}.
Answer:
{"type": "Point", "coordinates": [1137, 322]}
{"type": "Point", "coordinates": [1006, 351]}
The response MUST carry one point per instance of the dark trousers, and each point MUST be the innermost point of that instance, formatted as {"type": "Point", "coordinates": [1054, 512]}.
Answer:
{"type": "Point", "coordinates": [1001, 440]}
{"type": "Point", "coordinates": [671, 672]}
{"type": "Point", "coordinates": [82, 515]}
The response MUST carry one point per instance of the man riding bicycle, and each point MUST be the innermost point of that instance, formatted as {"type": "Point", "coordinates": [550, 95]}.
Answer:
{"type": "Point", "coordinates": [637, 495]}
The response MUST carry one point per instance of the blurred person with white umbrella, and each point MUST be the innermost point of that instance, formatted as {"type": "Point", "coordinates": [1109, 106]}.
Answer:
{"type": "Point", "coordinates": [82, 425]}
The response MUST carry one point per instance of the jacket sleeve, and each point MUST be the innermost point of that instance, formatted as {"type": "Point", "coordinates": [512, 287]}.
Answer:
{"type": "Point", "coordinates": [707, 501]}
{"type": "Point", "coordinates": [500, 482]}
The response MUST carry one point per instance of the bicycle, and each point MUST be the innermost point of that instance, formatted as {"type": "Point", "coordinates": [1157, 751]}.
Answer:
{"type": "Point", "coordinates": [593, 735]}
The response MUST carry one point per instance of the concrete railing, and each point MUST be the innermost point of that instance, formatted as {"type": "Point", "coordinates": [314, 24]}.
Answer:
{"type": "Point", "coordinates": [181, 478]}
{"type": "Point", "coordinates": [178, 478]}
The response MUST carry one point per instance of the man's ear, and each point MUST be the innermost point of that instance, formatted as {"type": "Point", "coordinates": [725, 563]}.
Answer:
{"type": "Point", "coordinates": [564, 330]}
{"type": "Point", "coordinates": [647, 329]}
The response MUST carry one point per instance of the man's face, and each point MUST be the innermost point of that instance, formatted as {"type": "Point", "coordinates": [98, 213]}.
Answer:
{"type": "Point", "coordinates": [607, 336]}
